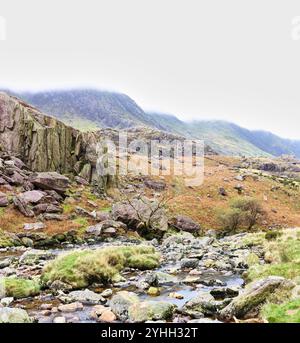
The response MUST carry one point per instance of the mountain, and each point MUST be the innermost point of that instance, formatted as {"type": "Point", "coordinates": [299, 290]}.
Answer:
{"type": "Point", "coordinates": [88, 109]}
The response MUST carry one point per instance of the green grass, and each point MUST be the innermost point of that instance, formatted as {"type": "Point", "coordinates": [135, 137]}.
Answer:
{"type": "Point", "coordinates": [288, 270]}
{"type": "Point", "coordinates": [20, 288]}
{"type": "Point", "coordinates": [5, 240]}
{"type": "Point", "coordinates": [82, 268]}
{"type": "Point", "coordinates": [288, 312]}
{"type": "Point", "coordinates": [83, 222]}
{"type": "Point", "coordinates": [67, 208]}
{"type": "Point", "coordinates": [285, 257]}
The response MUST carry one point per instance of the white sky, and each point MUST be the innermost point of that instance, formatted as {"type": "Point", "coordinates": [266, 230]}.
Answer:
{"type": "Point", "coordinates": [233, 60]}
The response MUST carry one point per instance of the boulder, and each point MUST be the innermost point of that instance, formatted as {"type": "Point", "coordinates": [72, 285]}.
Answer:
{"type": "Point", "coordinates": [50, 181]}
{"type": "Point", "coordinates": [32, 197]}
{"type": "Point", "coordinates": [13, 315]}
{"type": "Point", "coordinates": [34, 256]}
{"type": "Point", "coordinates": [187, 263]}
{"type": "Point", "coordinates": [72, 307]}
{"type": "Point", "coordinates": [22, 206]}
{"type": "Point", "coordinates": [86, 297]}
{"type": "Point", "coordinates": [150, 310]}
{"type": "Point", "coordinates": [138, 212]}
{"type": "Point", "coordinates": [3, 200]}
{"type": "Point", "coordinates": [121, 302]}
{"type": "Point", "coordinates": [185, 223]}
{"type": "Point", "coordinates": [159, 279]}
{"type": "Point", "coordinates": [46, 208]}
{"type": "Point", "coordinates": [254, 296]}
{"type": "Point", "coordinates": [34, 226]}
{"type": "Point", "coordinates": [202, 304]}
{"type": "Point", "coordinates": [156, 185]}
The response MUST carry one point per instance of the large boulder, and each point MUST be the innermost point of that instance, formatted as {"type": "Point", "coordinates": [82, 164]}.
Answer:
{"type": "Point", "coordinates": [23, 206]}
{"type": "Point", "coordinates": [13, 315]}
{"type": "Point", "coordinates": [50, 181]}
{"type": "Point", "coordinates": [121, 302]}
{"type": "Point", "coordinates": [150, 310]}
{"type": "Point", "coordinates": [32, 197]}
{"type": "Point", "coordinates": [185, 223]}
{"type": "Point", "coordinates": [138, 213]}
{"type": "Point", "coordinates": [247, 304]}
{"type": "Point", "coordinates": [202, 304]}
{"type": "Point", "coordinates": [86, 297]}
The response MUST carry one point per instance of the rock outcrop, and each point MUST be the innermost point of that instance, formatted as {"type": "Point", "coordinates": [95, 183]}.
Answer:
{"type": "Point", "coordinates": [45, 144]}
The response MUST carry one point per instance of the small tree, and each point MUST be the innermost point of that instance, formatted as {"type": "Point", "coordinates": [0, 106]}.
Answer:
{"type": "Point", "coordinates": [250, 209]}
{"type": "Point", "coordinates": [230, 219]}
{"type": "Point", "coordinates": [243, 212]}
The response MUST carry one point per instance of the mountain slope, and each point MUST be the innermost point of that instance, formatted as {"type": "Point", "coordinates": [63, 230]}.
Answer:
{"type": "Point", "coordinates": [92, 109]}
{"type": "Point", "coordinates": [104, 109]}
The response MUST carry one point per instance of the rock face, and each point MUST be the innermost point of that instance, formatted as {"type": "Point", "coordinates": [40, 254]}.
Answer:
{"type": "Point", "coordinates": [256, 294]}
{"type": "Point", "coordinates": [45, 144]}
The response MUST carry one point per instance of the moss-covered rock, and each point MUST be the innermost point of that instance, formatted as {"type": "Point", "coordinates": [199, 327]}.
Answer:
{"type": "Point", "coordinates": [19, 287]}
{"type": "Point", "coordinates": [8, 239]}
{"type": "Point", "coordinates": [150, 310]}
{"type": "Point", "coordinates": [120, 303]}
{"type": "Point", "coordinates": [83, 267]}
{"type": "Point", "coordinates": [255, 295]}
{"type": "Point", "coordinates": [13, 315]}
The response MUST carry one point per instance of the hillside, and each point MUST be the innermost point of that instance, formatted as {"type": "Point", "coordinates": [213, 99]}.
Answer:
{"type": "Point", "coordinates": [92, 109]}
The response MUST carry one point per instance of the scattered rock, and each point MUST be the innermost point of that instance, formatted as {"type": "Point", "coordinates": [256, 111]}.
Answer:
{"type": "Point", "coordinates": [34, 226]}
{"type": "Point", "coordinates": [72, 307]}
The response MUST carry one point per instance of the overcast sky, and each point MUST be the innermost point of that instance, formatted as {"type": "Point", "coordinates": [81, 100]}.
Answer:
{"type": "Point", "coordinates": [233, 60]}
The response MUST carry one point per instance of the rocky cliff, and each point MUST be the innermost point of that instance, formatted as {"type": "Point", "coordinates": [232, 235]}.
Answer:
{"type": "Point", "coordinates": [45, 143]}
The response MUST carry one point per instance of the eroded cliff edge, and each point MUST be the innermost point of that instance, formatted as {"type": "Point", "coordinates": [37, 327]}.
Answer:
{"type": "Point", "coordinates": [45, 143]}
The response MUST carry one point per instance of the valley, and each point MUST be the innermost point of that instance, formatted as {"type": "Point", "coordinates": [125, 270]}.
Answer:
{"type": "Point", "coordinates": [76, 246]}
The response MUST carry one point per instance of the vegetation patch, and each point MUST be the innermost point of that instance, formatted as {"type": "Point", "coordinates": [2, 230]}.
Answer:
{"type": "Point", "coordinates": [82, 268]}
{"type": "Point", "coordinates": [284, 254]}
{"type": "Point", "coordinates": [19, 288]}
{"type": "Point", "coordinates": [243, 213]}
{"type": "Point", "coordinates": [288, 312]}
{"type": "Point", "coordinates": [7, 240]}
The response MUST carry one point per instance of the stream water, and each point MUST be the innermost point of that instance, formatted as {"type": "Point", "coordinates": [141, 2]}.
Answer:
{"type": "Point", "coordinates": [32, 305]}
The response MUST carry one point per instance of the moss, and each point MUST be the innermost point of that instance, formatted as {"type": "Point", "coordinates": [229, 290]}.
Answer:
{"type": "Point", "coordinates": [82, 268]}
{"type": "Point", "coordinates": [252, 259]}
{"type": "Point", "coordinates": [83, 222]}
{"type": "Point", "coordinates": [67, 208]}
{"type": "Point", "coordinates": [6, 240]}
{"type": "Point", "coordinates": [270, 235]}
{"type": "Point", "coordinates": [20, 288]}
{"type": "Point", "coordinates": [288, 312]}
{"type": "Point", "coordinates": [143, 262]}
{"type": "Point", "coordinates": [288, 270]}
